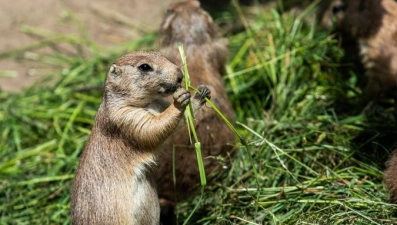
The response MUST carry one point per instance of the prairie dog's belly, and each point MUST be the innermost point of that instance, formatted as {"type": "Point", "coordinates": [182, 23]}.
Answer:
{"type": "Point", "coordinates": [145, 203]}
{"type": "Point", "coordinates": [158, 106]}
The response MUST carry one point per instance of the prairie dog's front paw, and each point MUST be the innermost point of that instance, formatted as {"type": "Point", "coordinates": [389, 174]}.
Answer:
{"type": "Point", "coordinates": [204, 92]}
{"type": "Point", "coordinates": [181, 98]}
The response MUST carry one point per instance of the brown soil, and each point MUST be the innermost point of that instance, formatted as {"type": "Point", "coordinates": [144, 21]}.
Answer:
{"type": "Point", "coordinates": [106, 22]}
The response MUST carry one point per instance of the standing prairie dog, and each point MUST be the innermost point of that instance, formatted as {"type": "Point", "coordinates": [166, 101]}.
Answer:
{"type": "Point", "coordinates": [206, 51]}
{"type": "Point", "coordinates": [112, 184]}
{"type": "Point", "coordinates": [373, 24]}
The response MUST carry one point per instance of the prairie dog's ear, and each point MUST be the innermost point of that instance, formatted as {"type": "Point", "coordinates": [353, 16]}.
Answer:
{"type": "Point", "coordinates": [196, 3]}
{"type": "Point", "coordinates": [168, 20]}
{"type": "Point", "coordinates": [115, 71]}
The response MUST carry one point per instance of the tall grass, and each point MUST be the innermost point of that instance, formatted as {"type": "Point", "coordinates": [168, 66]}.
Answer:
{"type": "Point", "coordinates": [314, 155]}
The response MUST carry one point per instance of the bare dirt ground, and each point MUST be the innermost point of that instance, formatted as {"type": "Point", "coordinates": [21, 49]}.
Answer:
{"type": "Point", "coordinates": [106, 22]}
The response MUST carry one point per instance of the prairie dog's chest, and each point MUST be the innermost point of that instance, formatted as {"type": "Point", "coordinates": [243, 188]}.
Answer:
{"type": "Point", "coordinates": [158, 106]}
{"type": "Point", "coordinates": [143, 201]}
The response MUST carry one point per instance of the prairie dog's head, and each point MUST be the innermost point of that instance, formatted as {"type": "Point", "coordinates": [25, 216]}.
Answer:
{"type": "Point", "coordinates": [143, 76]}
{"type": "Point", "coordinates": [187, 22]}
{"type": "Point", "coordinates": [333, 14]}
{"type": "Point", "coordinates": [357, 18]}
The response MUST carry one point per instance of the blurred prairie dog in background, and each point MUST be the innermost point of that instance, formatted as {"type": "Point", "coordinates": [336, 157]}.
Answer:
{"type": "Point", "coordinates": [391, 177]}
{"type": "Point", "coordinates": [112, 184]}
{"type": "Point", "coordinates": [373, 24]}
{"type": "Point", "coordinates": [206, 51]}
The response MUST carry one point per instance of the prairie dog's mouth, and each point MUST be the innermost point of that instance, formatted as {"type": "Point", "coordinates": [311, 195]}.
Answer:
{"type": "Point", "coordinates": [166, 90]}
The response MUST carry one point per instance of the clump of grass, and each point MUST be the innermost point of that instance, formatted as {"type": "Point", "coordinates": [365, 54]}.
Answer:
{"type": "Point", "coordinates": [311, 156]}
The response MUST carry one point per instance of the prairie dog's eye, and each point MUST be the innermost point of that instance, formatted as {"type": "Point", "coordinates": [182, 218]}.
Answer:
{"type": "Point", "coordinates": [145, 68]}
{"type": "Point", "coordinates": [338, 8]}
{"type": "Point", "coordinates": [169, 11]}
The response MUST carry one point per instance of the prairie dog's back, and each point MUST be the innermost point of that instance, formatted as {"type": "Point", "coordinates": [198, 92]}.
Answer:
{"type": "Point", "coordinates": [186, 22]}
{"type": "Point", "coordinates": [206, 51]}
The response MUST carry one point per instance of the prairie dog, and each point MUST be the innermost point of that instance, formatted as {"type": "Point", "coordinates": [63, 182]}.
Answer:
{"type": "Point", "coordinates": [206, 51]}
{"type": "Point", "coordinates": [112, 184]}
{"type": "Point", "coordinates": [391, 177]}
{"type": "Point", "coordinates": [373, 24]}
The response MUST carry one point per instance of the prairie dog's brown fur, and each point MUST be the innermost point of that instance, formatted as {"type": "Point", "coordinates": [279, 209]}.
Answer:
{"type": "Point", "coordinates": [112, 184]}
{"type": "Point", "coordinates": [391, 177]}
{"type": "Point", "coordinates": [373, 24]}
{"type": "Point", "coordinates": [206, 51]}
